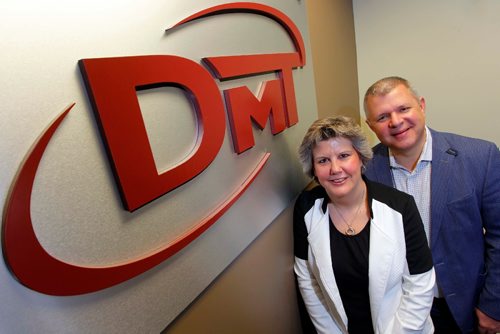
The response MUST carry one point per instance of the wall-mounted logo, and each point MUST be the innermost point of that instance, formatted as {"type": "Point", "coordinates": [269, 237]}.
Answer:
{"type": "Point", "coordinates": [112, 84]}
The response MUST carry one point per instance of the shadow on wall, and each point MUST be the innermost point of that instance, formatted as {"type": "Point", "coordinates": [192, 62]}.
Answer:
{"type": "Point", "coordinates": [239, 299]}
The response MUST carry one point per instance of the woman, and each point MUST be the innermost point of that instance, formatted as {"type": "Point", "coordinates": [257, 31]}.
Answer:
{"type": "Point", "coordinates": [371, 236]}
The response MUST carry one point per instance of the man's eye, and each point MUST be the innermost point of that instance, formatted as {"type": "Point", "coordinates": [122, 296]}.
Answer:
{"type": "Point", "coordinates": [382, 118]}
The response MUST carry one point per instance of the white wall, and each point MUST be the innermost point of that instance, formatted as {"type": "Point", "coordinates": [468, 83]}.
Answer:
{"type": "Point", "coordinates": [76, 209]}
{"type": "Point", "coordinates": [448, 49]}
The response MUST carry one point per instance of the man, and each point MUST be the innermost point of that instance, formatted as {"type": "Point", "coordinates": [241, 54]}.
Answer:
{"type": "Point", "coordinates": [456, 183]}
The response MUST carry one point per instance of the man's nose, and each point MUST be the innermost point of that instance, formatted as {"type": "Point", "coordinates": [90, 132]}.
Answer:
{"type": "Point", "coordinates": [395, 120]}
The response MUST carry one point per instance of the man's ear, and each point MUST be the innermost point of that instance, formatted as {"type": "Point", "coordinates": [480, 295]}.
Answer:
{"type": "Point", "coordinates": [421, 102]}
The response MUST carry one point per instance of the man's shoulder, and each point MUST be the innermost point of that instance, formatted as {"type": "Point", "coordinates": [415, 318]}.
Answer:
{"type": "Point", "coordinates": [456, 141]}
{"type": "Point", "coordinates": [380, 150]}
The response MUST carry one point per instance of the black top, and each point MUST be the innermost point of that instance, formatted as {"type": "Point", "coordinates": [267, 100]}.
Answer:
{"type": "Point", "coordinates": [350, 266]}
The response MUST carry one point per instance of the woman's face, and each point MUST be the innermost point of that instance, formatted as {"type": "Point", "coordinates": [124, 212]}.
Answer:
{"type": "Point", "coordinates": [337, 166]}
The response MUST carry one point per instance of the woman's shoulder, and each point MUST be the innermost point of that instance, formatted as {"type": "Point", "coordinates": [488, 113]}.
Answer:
{"type": "Point", "coordinates": [312, 193]}
{"type": "Point", "coordinates": [393, 197]}
{"type": "Point", "coordinates": [309, 195]}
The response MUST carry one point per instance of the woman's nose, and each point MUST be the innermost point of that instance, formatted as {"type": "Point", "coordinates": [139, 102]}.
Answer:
{"type": "Point", "coordinates": [334, 167]}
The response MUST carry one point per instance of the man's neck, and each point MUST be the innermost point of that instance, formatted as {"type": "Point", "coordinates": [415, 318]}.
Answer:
{"type": "Point", "coordinates": [409, 158]}
{"type": "Point", "coordinates": [408, 161]}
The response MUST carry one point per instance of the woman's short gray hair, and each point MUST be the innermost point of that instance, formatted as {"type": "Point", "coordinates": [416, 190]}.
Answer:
{"type": "Point", "coordinates": [333, 127]}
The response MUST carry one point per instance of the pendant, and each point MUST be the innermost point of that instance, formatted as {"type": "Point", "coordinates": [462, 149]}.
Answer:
{"type": "Point", "coordinates": [350, 231]}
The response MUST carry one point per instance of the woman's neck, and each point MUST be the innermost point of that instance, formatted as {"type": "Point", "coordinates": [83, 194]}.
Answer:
{"type": "Point", "coordinates": [351, 200]}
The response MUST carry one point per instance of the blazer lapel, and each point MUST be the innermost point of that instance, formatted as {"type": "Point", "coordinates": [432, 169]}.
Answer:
{"type": "Point", "coordinates": [380, 261]}
{"type": "Point", "coordinates": [319, 240]}
{"type": "Point", "coordinates": [440, 179]}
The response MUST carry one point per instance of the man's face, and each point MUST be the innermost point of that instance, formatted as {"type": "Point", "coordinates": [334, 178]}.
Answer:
{"type": "Point", "coordinates": [398, 120]}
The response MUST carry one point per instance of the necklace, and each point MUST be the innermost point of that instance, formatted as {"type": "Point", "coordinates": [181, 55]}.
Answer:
{"type": "Point", "coordinates": [350, 230]}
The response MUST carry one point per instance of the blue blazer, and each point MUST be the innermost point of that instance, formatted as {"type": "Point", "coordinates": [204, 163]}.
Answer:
{"type": "Point", "coordinates": [465, 221]}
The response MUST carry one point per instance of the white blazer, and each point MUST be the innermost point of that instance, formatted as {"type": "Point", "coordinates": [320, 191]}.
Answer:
{"type": "Point", "coordinates": [400, 302]}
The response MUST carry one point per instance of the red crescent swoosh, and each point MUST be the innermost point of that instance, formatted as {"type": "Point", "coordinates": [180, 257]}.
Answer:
{"type": "Point", "coordinates": [254, 8]}
{"type": "Point", "coordinates": [38, 270]}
